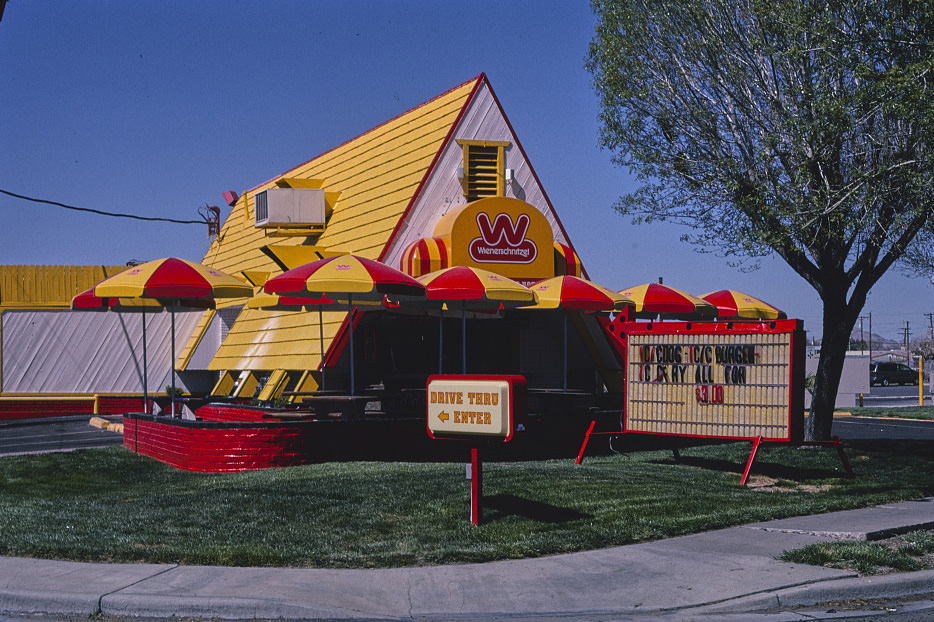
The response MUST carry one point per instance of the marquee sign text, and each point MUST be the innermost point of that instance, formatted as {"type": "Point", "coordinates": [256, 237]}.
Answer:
{"type": "Point", "coordinates": [731, 384]}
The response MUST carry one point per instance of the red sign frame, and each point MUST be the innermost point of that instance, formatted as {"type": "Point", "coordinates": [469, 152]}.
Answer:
{"type": "Point", "coordinates": [515, 407]}
{"type": "Point", "coordinates": [689, 368]}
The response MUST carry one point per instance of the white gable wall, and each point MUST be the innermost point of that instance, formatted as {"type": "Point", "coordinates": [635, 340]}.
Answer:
{"type": "Point", "coordinates": [90, 352]}
{"type": "Point", "coordinates": [483, 120]}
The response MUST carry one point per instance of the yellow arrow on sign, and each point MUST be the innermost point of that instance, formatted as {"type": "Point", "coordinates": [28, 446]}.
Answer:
{"type": "Point", "coordinates": [443, 416]}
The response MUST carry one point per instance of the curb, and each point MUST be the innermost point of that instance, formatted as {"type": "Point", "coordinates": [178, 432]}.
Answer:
{"type": "Point", "coordinates": [918, 583]}
{"type": "Point", "coordinates": [9, 423]}
{"type": "Point", "coordinates": [210, 608]}
{"type": "Point", "coordinates": [114, 603]}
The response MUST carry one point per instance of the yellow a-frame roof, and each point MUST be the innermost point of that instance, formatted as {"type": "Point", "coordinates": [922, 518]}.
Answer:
{"type": "Point", "coordinates": [372, 180]}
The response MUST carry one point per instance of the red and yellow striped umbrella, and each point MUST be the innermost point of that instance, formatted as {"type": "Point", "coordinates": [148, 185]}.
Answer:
{"type": "Point", "coordinates": [172, 279]}
{"type": "Point", "coordinates": [476, 290]}
{"type": "Point", "coordinates": [346, 277]}
{"type": "Point", "coordinates": [274, 302]}
{"type": "Point", "coordinates": [655, 299]}
{"type": "Point", "coordinates": [172, 282]}
{"type": "Point", "coordinates": [571, 292]}
{"type": "Point", "coordinates": [87, 301]}
{"type": "Point", "coordinates": [732, 304]}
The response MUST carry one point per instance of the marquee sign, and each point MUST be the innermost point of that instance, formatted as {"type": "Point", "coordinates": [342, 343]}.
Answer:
{"type": "Point", "coordinates": [502, 235]}
{"type": "Point", "coordinates": [716, 379]}
{"type": "Point", "coordinates": [475, 406]}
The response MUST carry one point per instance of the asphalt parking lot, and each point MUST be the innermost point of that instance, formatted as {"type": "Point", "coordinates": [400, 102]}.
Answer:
{"type": "Point", "coordinates": [29, 436]}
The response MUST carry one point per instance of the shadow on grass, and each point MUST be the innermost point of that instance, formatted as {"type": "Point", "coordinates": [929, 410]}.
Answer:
{"type": "Point", "coordinates": [761, 466]}
{"type": "Point", "coordinates": [511, 505]}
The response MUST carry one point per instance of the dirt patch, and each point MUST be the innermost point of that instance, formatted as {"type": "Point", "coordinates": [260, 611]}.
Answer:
{"type": "Point", "coordinates": [900, 542]}
{"type": "Point", "coordinates": [761, 483]}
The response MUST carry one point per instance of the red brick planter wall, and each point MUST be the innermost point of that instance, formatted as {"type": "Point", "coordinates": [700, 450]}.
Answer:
{"type": "Point", "coordinates": [217, 446]}
{"type": "Point", "coordinates": [234, 413]}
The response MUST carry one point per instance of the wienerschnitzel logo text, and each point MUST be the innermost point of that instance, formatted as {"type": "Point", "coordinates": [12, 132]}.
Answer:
{"type": "Point", "coordinates": [502, 241]}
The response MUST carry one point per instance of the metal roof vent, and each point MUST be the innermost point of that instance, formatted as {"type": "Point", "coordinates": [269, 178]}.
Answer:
{"type": "Point", "coordinates": [290, 207]}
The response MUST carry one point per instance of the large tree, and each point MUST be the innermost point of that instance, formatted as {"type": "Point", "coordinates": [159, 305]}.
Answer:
{"type": "Point", "coordinates": [798, 127]}
{"type": "Point", "coordinates": [919, 258]}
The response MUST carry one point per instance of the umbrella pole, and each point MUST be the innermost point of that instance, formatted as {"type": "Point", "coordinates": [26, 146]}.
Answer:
{"type": "Point", "coordinates": [321, 342]}
{"type": "Point", "coordinates": [441, 340]}
{"type": "Point", "coordinates": [145, 379]}
{"type": "Point", "coordinates": [463, 336]}
{"type": "Point", "coordinates": [566, 351]}
{"type": "Point", "coordinates": [350, 327]}
{"type": "Point", "coordinates": [173, 357]}
{"type": "Point", "coordinates": [145, 390]}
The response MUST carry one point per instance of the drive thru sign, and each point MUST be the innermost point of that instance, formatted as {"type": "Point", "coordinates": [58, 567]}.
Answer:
{"type": "Point", "coordinates": [478, 408]}
{"type": "Point", "coordinates": [474, 406]}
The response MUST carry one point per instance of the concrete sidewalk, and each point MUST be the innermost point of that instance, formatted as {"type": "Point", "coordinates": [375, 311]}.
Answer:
{"type": "Point", "coordinates": [709, 574]}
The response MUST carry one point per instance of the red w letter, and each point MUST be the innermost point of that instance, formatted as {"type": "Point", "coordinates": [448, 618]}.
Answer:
{"type": "Point", "coordinates": [502, 227]}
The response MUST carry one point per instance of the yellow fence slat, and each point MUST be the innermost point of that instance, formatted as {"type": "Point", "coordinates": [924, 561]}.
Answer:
{"type": "Point", "coordinates": [23, 286]}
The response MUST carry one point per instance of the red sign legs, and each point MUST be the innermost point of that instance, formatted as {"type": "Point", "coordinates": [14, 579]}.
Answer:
{"type": "Point", "coordinates": [752, 456]}
{"type": "Point", "coordinates": [476, 485]}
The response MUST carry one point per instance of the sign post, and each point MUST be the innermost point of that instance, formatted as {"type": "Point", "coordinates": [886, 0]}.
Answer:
{"type": "Point", "coordinates": [475, 407]}
{"type": "Point", "coordinates": [476, 485]}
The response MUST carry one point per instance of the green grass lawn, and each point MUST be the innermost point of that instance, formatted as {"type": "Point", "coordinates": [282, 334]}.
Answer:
{"type": "Point", "coordinates": [113, 505]}
{"type": "Point", "coordinates": [904, 553]}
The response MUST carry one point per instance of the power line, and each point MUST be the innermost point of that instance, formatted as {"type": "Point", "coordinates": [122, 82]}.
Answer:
{"type": "Point", "coordinates": [102, 213]}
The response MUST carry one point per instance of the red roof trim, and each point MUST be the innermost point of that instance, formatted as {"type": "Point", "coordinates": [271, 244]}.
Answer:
{"type": "Point", "coordinates": [535, 175]}
{"type": "Point", "coordinates": [480, 80]}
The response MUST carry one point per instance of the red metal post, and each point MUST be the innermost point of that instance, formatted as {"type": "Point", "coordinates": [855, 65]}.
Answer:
{"type": "Point", "coordinates": [476, 485]}
{"type": "Point", "coordinates": [835, 442]}
{"type": "Point", "coordinates": [752, 456]}
{"type": "Point", "coordinates": [846, 463]}
{"type": "Point", "coordinates": [580, 454]}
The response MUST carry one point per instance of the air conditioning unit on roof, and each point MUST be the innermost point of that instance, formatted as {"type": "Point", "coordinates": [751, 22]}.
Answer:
{"type": "Point", "coordinates": [290, 207]}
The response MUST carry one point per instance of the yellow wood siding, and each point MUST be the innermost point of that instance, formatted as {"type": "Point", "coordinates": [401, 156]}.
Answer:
{"type": "Point", "coordinates": [377, 175]}
{"type": "Point", "coordinates": [36, 287]}
{"type": "Point", "coordinates": [276, 340]}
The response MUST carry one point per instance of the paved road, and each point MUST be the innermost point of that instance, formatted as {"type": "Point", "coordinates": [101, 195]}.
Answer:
{"type": "Point", "coordinates": [857, 428]}
{"type": "Point", "coordinates": [53, 434]}
{"type": "Point", "coordinates": [896, 396]}
{"type": "Point", "coordinates": [889, 610]}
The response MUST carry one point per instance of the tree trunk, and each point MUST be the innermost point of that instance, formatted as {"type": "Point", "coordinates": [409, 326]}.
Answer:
{"type": "Point", "coordinates": [837, 326]}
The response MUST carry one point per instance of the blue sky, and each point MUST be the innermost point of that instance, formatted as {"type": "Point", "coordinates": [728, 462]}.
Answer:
{"type": "Point", "coordinates": [155, 108]}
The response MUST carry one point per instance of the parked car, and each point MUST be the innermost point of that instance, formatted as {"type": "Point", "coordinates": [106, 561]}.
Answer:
{"type": "Point", "coordinates": [892, 373]}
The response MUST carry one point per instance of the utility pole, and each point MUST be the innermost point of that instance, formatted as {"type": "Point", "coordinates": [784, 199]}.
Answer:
{"type": "Point", "coordinates": [862, 339]}
{"type": "Point", "coordinates": [931, 321]}
{"type": "Point", "coordinates": [907, 352]}
{"type": "Point", "coordinates": [930, 317]}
